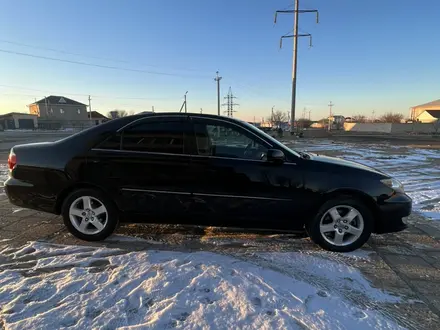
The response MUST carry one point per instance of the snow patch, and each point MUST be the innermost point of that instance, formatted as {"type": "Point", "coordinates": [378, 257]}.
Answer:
{"type": "Point", "coordinates": [49, 286]}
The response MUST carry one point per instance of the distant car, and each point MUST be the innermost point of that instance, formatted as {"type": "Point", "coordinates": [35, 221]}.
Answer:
{"type": "Point", "coordinates": [202, 170]}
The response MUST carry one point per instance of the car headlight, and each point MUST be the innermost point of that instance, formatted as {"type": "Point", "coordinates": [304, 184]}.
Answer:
{"type": "Point", "coordinates": [394, 184]}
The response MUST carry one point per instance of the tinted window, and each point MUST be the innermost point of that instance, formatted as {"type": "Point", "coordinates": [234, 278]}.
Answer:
{"type": "Point", "coordinates": [223, 140]}
{"type": "Point", "coordinates": [163, 137]}
{"type": "Point", "coordinates": [111, 143]}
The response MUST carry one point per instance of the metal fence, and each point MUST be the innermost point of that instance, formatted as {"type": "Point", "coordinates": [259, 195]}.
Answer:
{"type": "Point", "coordinates": [72, 125]}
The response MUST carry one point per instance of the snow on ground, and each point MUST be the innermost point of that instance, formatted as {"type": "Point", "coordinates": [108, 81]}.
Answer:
{"type": "Point", "coordinates": [417, 168]}
{"type": "Point", "coordinates": [46, 286]}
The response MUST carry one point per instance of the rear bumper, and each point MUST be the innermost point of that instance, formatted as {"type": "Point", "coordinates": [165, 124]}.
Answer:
{"type": "Point", "coordinates": [25, 195]}
{"type": "Point", "coordinates": [392, 211]}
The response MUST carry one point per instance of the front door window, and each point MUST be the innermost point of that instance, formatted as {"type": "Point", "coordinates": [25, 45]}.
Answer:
{"type": "Point", "coordinates": [228, 141]}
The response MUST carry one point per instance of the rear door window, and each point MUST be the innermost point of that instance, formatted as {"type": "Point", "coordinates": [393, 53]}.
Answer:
{"type": "Point", "coordinates": [111, 143]}
{"type": "Point", "coordinates": [161, 137]}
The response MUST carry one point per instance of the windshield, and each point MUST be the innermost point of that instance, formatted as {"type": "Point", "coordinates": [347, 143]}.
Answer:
{"type": "Point", "coordinates": [270, 138]}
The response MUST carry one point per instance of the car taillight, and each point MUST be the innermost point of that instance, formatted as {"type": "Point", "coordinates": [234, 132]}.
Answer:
{"type": "Point", "coordinates": [12, 160]}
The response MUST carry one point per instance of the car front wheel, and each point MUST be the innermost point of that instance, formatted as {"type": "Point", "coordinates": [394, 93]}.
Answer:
{"type": "Point", "coordinates": [89, 215]}
{"type": "Point", "coordinates": [341, 225]}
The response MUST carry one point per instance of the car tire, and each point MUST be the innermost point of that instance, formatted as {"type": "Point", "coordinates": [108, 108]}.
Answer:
{"type": "Point", "coordinates": [90, 215]}
{"type": "Point", "coordinates": [326, 230]}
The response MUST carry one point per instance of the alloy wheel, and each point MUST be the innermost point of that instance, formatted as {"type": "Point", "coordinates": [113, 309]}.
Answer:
{"type": "Point", "coordinates": [88, 215]}
{"type": "Point", "coordinates": [341, 225]}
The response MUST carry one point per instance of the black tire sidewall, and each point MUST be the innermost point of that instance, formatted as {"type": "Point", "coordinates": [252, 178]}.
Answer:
{"type": "Point", "coordinates": [315, 233]}
{"type": "Point", "coordinates": [112, 213]}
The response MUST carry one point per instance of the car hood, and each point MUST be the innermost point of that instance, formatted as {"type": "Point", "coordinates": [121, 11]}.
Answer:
{"type": "Point", "coordinates": [344, 162]}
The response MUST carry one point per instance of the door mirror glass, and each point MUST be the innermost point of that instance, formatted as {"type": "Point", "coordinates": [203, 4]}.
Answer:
{"type": "Point", "coordinates": [275, 156]}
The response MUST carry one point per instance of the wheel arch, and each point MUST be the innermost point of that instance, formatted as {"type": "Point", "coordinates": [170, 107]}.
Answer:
{"type": "Point", "coordinates": [81, 185]}
{"type": "Point", "coordinates": [361, 196]}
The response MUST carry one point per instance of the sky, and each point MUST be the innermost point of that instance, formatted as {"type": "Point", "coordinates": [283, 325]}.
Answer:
{"type": "Point", "coordinates": [367, 56]}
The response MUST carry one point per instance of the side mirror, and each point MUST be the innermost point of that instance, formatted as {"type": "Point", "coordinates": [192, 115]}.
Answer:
{"type": "Point", "coordinates": [275, 156]}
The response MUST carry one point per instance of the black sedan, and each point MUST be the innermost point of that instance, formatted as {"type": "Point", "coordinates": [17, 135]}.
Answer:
{"type": "Point", "coordinates": [202, 170]}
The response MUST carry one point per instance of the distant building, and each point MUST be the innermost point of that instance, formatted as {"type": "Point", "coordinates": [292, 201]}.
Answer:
{"type": "Point", "coordinates": [337, 121]}
{"type": "Point", "coordinates": [17, 120]}
{"type": "Point", "coordinates": [60, 109]}
{"type": "Point", "coordinates": [97, 118]}
{"type": "Point", "coordinates": [428, 116]}
{"type": "Point", "coordinates": [419, 109]}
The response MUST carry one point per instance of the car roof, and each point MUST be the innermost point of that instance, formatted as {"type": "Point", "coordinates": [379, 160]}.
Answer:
{"type": "Point", "coordinates": [182, 114]}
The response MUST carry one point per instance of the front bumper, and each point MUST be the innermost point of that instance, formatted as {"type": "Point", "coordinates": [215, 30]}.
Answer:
{"type": "Point", "coordinates": [392, 210]}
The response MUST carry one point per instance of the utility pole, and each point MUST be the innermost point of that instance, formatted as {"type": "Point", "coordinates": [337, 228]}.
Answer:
{"type": "Point", "coordinates": [217, 79]}
{"type": "Point", "coordinates": [90, 108]}
{"type": "Point", "coordinates": [310, 111]}
{"type": "Point", "coordinates": [230, 103]}
{"type": "Point", "coordinates": [184, 103]}
{"type": "Point", "coordinates": [272, 116]}
{"type": "Point", "coordinates": [330, 105]}
{"type": "Point", "coordinates": [295, 36]}
{"type": "Point", "coordinates": [45, 103]}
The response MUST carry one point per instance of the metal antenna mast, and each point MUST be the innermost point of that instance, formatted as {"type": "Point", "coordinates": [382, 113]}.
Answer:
{"type": "Point", "coordinates": [295, 37]}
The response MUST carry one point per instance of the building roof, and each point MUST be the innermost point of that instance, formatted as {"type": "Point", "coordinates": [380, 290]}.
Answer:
{"type": "Point", "coordinates": [16, 113]}
{"type": "Point", "coordinates": [430, 104]}
{"type": "Point", "coordinates": [58, 100]}
{"type": "Point", "coordinates": [434, 113]}
{"type": "Point", "coordinates": [97, 115]}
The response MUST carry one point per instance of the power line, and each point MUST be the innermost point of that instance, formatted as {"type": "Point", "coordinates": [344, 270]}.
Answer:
{"type": "Point", "coordinates": [99, 65]}
{"type": "Point", "coordinates": [77, 94]}
{"type": "Point", "coordinates": [86, 56]}
{"type": "Point", "coordinates": [60, 51]}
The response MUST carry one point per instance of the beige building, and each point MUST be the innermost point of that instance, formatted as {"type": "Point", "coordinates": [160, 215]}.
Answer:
{"type": "Point", "coordinates": [428, 116]}
{"type": "Point", "coordinates": [59, 109]}
{"type": "Point", "coordinates": [98, 118]}
{"type": "Point", "coordinates": [17, 120]}
{"type": "Point", "coordinates": [417, 110]}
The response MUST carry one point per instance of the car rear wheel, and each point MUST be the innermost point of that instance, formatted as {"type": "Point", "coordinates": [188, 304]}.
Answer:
{"type": "Point", "coordinates": [89, 215]}
{"type": "Point", "coordinates": [342, 225]}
